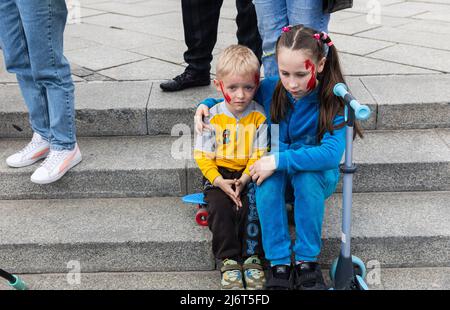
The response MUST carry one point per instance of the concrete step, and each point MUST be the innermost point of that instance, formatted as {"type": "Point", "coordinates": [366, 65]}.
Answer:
{"type": "Point", "coordinates": [412, 160]}
{"type": "Point", "coordinates": [160, 234]}
{"type": "Point", "coordinates": [141, 108]}
{"type": "Point", "coordinates": [389, 279]}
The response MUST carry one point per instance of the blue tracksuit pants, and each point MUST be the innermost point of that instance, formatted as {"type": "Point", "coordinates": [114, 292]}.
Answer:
{"type": "Point", "coordinates": [310, 189]}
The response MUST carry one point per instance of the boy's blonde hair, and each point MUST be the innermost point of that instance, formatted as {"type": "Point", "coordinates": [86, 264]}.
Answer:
{"type": "Point", "coordinates": [237, 59]}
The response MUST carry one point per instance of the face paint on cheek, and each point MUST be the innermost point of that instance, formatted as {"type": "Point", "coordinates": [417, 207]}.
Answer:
{"type": "Point", "coordinates": [312, 81]}
{"type": "Point", "coordinates": [257, 79]}
{"type": "Point", "coordinates": [225, 96]}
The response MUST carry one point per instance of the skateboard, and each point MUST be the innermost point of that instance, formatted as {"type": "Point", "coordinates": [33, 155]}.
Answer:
{"type": "Point", "coordinates": [201, 217]}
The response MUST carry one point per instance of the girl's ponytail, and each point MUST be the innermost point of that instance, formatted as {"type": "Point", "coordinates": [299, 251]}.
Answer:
{"type": "Point", "coordinates": [330, 105]}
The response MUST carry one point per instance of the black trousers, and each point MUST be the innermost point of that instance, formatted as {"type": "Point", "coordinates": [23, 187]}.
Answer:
{"type": "Point", "coordinates": [236, 232]}
{"type": "Point", "coordinates": [200, 22]}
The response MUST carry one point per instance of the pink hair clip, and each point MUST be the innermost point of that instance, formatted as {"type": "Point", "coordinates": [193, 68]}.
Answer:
{"type": "Point", "coordinates": [287, 28]}
{"type": "Point", "coordinates": [323, 36]}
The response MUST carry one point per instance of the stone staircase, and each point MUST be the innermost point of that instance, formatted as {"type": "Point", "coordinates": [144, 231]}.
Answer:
{"type": "Point", "coordinates": [119, 213]}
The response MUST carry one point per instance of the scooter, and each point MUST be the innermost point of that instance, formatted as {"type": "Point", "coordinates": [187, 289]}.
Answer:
{"type": "Point", "coordinates": [13, 280]}
{"type": "Point", "coordinates": [348, 272]}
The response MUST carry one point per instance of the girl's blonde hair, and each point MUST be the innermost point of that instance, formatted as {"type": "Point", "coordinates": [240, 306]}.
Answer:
{"type": "Point", "coordinates": [237, 59]}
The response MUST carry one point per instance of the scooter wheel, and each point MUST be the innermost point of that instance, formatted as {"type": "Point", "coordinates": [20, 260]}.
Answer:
{"type": "Point", "coordinates": [358, 267]}
{"type": "Point", "coordinates": [362, 286]}
{"type": "Point", "coordinates": [202, 217]}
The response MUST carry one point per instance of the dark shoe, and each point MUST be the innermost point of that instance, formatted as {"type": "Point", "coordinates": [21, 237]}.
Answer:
{"type": "Point", "coordinates": [186, 80]}
{"type": "Point", "coordinates": [279, 278]}
{"type": "Point", "coordinates": [308, 276]}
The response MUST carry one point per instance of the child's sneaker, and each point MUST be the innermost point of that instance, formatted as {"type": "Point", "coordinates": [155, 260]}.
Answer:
{"type": "Point", "coordinates": [37, 149]}
{"type": "Point", "coordinates": [56, 165]}
{"type": "Point", "coordinates": [308, 276]}
{"type": "Point", "coordinates": [253, 273]}
{"type": "Point", "coordinates": [279, 278]}
{"type": "Point", "coordinates": [231, 275]}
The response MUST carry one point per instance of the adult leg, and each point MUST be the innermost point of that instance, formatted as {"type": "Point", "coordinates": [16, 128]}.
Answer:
{"type": "Point", "coordinates": [272, 17]}
{"type": "Point", "coordinates": [309, 13]}
{"type": "Point", "coordinates": [270, 202]}
{"type": "Point", "coordinates": [247, 32]}
{"type": "Point", "coordinates": [311, 189]}
{"type": "Point", "coordinates": [17, 60]}
{"type": "Point", "coordinates": [43, 24]}
{"type": "Point", "coordinates": [200, 22]}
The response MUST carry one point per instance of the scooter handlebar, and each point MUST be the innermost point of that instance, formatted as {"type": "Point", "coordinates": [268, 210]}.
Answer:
{"type": "Point", "coordinates": [362, 112]}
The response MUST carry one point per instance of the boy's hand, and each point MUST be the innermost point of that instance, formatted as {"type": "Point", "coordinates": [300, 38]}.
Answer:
{"type": "Point", "coordinates": [227, 187]}
{"type": "Point", "coordinates": [199, 125]}
{"type": "Point", "coordinates": [240, 186]}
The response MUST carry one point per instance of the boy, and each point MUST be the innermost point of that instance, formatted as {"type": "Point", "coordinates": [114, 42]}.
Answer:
{"type": "Point", "coordinates": [236, 139]}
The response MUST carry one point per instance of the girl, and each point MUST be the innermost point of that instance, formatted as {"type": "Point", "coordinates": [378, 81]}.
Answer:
{"type": "Point", "coordinates": [311, 145]}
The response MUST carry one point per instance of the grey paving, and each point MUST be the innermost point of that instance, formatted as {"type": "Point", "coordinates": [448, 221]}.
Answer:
{"type": "Point", "coordinates": [148, 69]}
{"type": "Point", "coordinates": [389, 279]}
{"type": "Point", "coordinates": [362, 66]}
{"type": "Point", "coordinates": [418, 38]}
{"type": "Point", "coordinates": [166, 110]}
{"type": "Point", "coordinates": [358, 46]}
{"type": "Point", "coordinates": [419, 57]}
{"type": "Point", "coordinates": [97, 58]}
{"type": "Point", "coordinates": [111, 167]}
{"type": "Point", "coordinates": [160, 234]}
{"type": "Point", "coordinates": [103, 235]}
{"type": "Point", "coordinates": [389, 161]}
{"type": "Point", "coordinates": [411, 101]}
{"type": "Point", "coordinates": [97, 112]}
{"type": "Point", "coordinates": [132, 166]}
{"type": "Point", "coordinates": [396, 102]}
{"type": "Point", "coordinates": [109, 37]}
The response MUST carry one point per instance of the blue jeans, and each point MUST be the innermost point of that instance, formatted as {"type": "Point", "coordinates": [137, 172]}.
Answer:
{"type": "Point", "coordinates": [31, 37]}
{"type": "Point", "coordinates": [310, 189]}
{"type": "Point", "coordinates": [273, 15]}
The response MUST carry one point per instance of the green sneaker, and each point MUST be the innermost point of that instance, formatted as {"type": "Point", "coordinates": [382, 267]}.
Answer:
{"type": "Point", "coordinates": [231, 275]}
{"type": "Point", "coordinates": [254, 273]}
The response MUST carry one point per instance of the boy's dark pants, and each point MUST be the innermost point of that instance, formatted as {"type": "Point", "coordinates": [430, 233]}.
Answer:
{"type": "Point", "coordinates": [236, 232]}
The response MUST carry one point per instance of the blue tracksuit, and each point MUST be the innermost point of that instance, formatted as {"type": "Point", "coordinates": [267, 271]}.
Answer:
{"type": "Point", "coordinates": [310, 167]}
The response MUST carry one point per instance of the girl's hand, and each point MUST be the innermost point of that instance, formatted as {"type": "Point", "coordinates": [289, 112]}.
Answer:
{"type": "Point", "coordinates": [199, 125]}
{"type": "Point", "coordinates": [227, 187]}
{"type": "Point", "coordinates": [262, 169]}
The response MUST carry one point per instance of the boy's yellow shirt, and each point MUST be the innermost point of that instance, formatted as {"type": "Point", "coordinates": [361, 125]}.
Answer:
{"type": "Point", "coordinates": [233, 143]}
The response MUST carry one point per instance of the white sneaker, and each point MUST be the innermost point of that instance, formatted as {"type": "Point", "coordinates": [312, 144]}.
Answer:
{"type": "Point", "coordinates": [37, 149]}
{"type": "Point", "coordinates": [56, 165]}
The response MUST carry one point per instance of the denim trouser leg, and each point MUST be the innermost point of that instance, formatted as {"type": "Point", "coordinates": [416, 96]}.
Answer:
{"type": "Point", "coordinates": [32, 38]}
{"type": "Point", "coordinates": [308, 13]}
{"type": "Point", "coordinates": [17, 60]}
{"type": "Point", "coordinates": [270, 202]}
{"type": "Point", "coordinates": [311, 189]}
{"type": "Point", "coordinates": [273, 15]}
